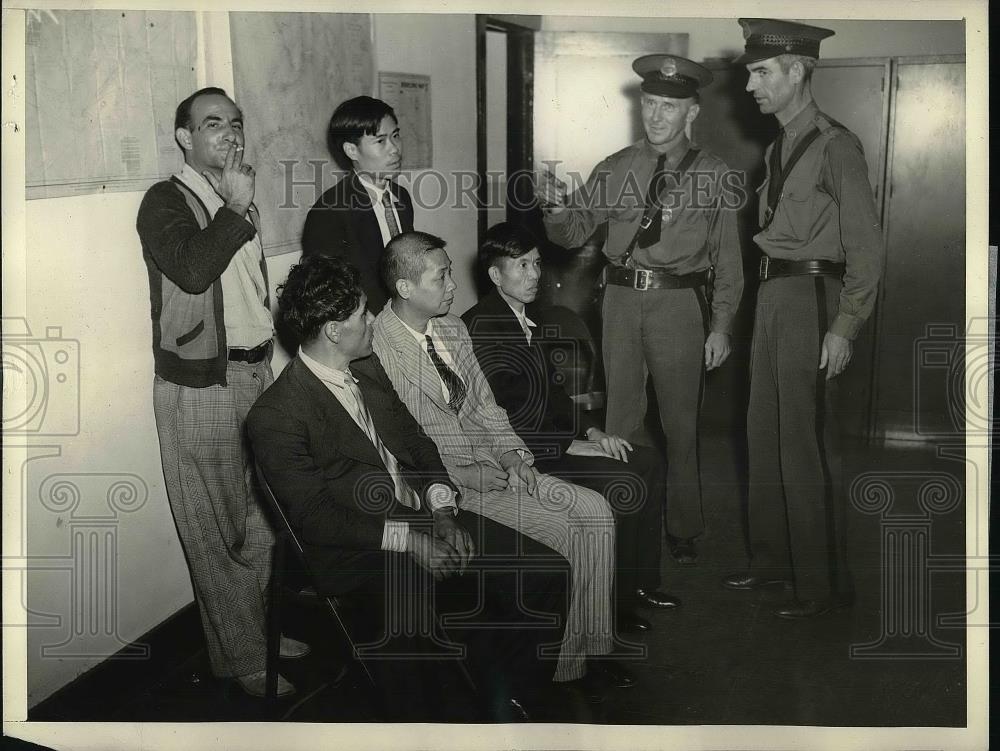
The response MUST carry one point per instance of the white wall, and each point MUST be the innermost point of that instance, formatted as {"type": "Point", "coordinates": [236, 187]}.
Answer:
{"type": "Point", "coordinates": [443, 47]}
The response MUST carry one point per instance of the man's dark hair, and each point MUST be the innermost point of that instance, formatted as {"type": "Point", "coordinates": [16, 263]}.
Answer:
{"type": "Point", "coordinates": [318, 289]}
{"type": "Point", "coordinates": [353, 119]}
{"type": "Point", "coordinates": [182, 117]}
{"type": "Point", "coordinates": [403, 257]}
{"type": "Point", "coordinates": [505, 240]}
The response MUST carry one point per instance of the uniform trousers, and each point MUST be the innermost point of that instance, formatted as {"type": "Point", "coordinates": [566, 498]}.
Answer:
{"type": "Point", "coordinates": [578, 524]}
{"type": "Point", "coordinates": [635, 492]}
{"type": "Point", "coordinates": [660, 333]}
{"type": "Point", "coordinates": [797, 512]}
{"type": "Point", "coordinates": [227, 541]}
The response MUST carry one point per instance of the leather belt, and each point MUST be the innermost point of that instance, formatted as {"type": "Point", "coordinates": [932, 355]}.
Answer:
{"type": "Point", "coordinates": [643, 279]}
{"type": "Point", "coordinates": [771, 268]}
{"type": "Point", "coordinates": [250, 356]}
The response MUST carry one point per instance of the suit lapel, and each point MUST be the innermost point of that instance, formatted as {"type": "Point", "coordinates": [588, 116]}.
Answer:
{"type": "Point", "coordinates": [504, 323]}
{"type": "Point", "coordinates": [349, 439]}
{"type": "Point", "coordinates": [365, 222]}
{"type": "Point", "coordinates": [416, 365]}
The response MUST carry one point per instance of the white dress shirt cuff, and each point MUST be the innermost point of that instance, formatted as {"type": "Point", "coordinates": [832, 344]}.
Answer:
{"type": "Point", "coordinates": [394, 536]}
{"type": "Point", "coordinates": [441, 496]}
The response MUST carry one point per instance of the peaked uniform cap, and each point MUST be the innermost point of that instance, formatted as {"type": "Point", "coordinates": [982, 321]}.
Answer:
{"type": "Point", "coordinates": [769, 37]}
{"type": "Point", "coordinates": [671, 75]}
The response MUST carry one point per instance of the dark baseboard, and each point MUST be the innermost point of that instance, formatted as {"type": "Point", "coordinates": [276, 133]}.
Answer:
{"type": "Point", "coordinates": [112, 682]}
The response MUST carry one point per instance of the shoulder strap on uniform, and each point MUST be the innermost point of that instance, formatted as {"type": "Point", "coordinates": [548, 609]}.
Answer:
{"type": "Point", "coordinates": [778, 180]}
{"type": "Point", "coordinates": [653, 204]}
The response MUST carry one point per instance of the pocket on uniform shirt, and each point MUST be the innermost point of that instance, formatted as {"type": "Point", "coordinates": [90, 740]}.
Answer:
{"type": "Point", "coordinates": [793, 217]}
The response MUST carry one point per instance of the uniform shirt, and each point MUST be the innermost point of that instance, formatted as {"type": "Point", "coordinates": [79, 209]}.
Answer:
{"type": "Point", "coordinates": [248, 319]}
{"type": "Point", "coordinates": [827, 212]}
{"type": "Point", "coordinates": [699, 219]}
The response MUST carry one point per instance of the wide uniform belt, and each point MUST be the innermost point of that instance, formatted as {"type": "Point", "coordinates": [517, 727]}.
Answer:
{"type": "Point", "coordinates": [643, 279]}
{"type": "Point", "coordinates": [250, 356]}
{"type": "Point", "coordinates": [771, 268]}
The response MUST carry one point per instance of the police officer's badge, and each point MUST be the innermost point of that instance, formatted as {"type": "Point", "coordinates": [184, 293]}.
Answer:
{"type": "Point", "coordinates": [668, 69]}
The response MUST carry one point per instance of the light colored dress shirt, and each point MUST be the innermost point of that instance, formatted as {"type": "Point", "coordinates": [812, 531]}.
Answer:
{"type": "Point", "coordinates": [244, 291]}
{"type": "Point", "coordinates": [376, 194]}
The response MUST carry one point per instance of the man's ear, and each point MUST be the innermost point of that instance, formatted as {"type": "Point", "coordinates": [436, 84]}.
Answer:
{"type": "Point", "coordinates": [494, 274]}
{"type": "Point", "coordinates": [331, 330]}
{"type": "Point", "coordinates": [692, 113]}
{"type": "Point", "coordinates": [183, 137]}
{"type": "Point", "coordinates": [351, 150]}
{"type": "Point", "coordinates": [403, 288]}
{"type": "Point", "coordinates": [797, 71]}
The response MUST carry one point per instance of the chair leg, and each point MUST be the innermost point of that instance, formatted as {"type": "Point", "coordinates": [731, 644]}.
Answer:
{"type": "Point", "coordinates": [274, 617]}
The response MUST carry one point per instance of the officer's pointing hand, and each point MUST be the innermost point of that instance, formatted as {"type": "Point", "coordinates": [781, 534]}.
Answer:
{"type": "Point", "coordinates": [550, 192]}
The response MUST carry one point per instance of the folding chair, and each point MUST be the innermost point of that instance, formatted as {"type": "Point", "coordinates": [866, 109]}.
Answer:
{"type": "Point", "coordinates": [283, 535]}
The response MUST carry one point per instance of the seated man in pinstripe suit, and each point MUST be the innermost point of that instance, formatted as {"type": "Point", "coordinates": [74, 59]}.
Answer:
{"type": "Point", "coordinates": [428, 355]}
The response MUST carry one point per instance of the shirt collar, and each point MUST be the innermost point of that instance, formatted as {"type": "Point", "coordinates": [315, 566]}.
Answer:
{"type": "Point", "coordinates": [372, 188]}
{"type": "Point", "coordinates": [419, 336]}
{"type": "Point", "coordinates": [325, 373]}
{"type": "Point", "coordinates": [522, 315]}
{"type": "Point", "coordinates": [202, 187]}
{"type": "Point", "coordinates": [679, 149]}
{"type": "Point", "coordinates": [798, 124]}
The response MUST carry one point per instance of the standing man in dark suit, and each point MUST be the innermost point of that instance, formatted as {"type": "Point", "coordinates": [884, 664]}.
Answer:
{"type": "Point", "coordinates": [509, 337]}
{"type": "Point", "coordinates": [365, 489]}
{"type": "Point", "coordinates": [675, 275]}
{"type": "Point", "coordinates": [818, 280]}
{"type": "Point", "coordinates": [360, 214]}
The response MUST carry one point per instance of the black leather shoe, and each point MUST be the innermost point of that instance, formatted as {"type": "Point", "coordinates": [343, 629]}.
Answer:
{"type": "Point", "coordinates": [682, 549]}
{"type": "Point", "coordinates": [654, 598]}
{"type": "Point", "coordinates": [749, 580]}
{"type": "Point", "coordinates": [611, 673]}
{"type": "Point", "coordinates": [799, 609]}
{"type": "Point", "coordinates": [630, 623]}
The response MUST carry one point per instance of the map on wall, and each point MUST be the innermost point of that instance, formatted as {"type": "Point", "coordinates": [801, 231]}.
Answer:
{"type": "Point", "coordinates": [410, 96]}
{"type": "Point", "coordinates": [101, 91]}
{"type": "Point", "coordinates": [290, 71]}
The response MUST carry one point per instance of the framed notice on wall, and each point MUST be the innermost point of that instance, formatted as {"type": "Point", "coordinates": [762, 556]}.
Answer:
{"type": "Point", "coordinates": [410, 96]}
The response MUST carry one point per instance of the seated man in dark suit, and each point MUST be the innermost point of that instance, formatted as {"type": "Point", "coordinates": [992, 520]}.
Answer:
{"type": "Point", "coordinates": [366, 491]}
{"type": "Point", "coordinates": [509, 336]}
{"type": "Point", "coordinates": [360, 214]}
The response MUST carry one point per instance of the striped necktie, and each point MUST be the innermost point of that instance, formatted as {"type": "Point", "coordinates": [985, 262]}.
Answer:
{"type": "Point", "coordinates": [390, 215]}
{"type": "Point", "coordinates": [454, 384]}
{"type": "Point", "coordinates": [404, 493]}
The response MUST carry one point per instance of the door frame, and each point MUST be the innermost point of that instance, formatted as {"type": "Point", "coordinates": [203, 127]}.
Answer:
{"type": "Point", "coordinates": [520, 113]}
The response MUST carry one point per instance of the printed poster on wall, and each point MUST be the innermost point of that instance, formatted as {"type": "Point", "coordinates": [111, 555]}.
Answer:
{"type": "Point", "coordinates": [410, 96]}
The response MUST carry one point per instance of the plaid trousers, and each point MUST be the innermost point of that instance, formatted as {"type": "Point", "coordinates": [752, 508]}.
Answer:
{"type": "Point", "coordinates": [227, 541]}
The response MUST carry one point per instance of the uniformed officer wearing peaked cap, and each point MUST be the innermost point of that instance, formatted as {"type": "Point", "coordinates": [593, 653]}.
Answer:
{"type": "Point", "coordinates": [670, 75]}
{"type": "Point", "coordinates": [666, 316]}
{"type": "Point", "coordinates": [821, 260]}
{"type": "Point", "coordinates": [767, 38]}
